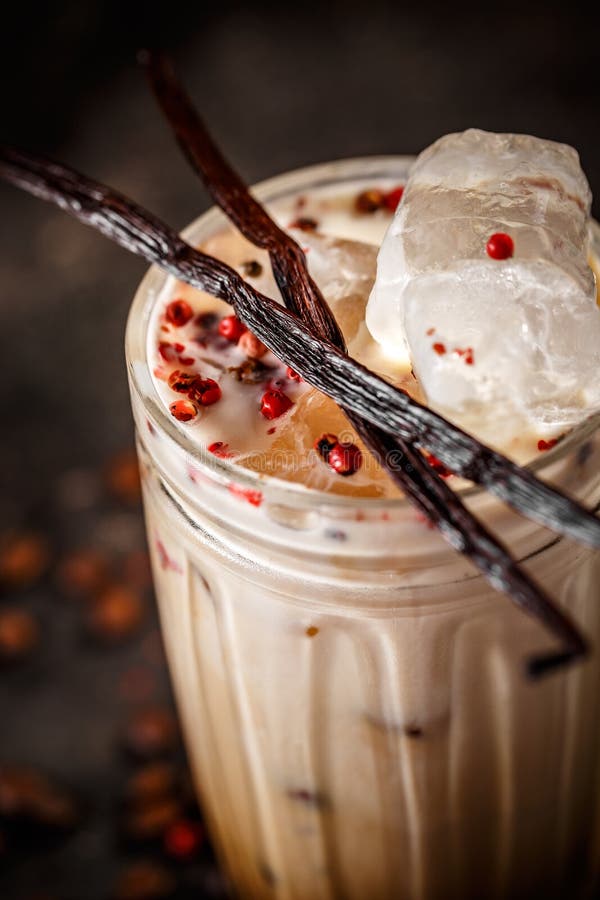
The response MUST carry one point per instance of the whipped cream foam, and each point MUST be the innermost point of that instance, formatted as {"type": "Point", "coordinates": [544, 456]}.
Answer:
{"type": "Point", "coordinates": [511, 342]}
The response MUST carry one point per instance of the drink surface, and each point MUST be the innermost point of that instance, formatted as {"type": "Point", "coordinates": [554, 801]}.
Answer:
{"type": "Point", "coordinates": [192, 334]}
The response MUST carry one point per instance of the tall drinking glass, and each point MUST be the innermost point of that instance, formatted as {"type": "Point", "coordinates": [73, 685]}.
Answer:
{"type": "Point", "coordinates": [352, 693]}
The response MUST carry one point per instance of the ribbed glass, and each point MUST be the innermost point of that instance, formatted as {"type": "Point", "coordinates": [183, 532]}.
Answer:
{"type": "Point", "coordinates": [352, 694]}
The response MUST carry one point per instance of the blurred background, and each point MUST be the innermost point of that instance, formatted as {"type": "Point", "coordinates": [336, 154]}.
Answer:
{"type": "Point", "coordinates": [94, 796]}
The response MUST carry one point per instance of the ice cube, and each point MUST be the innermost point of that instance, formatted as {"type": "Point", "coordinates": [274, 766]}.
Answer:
{"type": "Point", "coordinates": [345, 272]}
{"type": "Point", "coordinates": [487, 337]}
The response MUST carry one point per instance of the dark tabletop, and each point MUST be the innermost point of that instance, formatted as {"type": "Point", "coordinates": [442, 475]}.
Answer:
{"type": "Point", "coordinates": [282, 86]}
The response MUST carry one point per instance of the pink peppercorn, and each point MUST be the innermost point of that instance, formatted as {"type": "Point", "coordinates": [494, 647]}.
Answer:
{"type": "Point", "coordinates": [500, 246]}
{"type": "Point", "coordinates": [205, 391]}
{"type": "Point", "coordinates": [179, 313]}
{"type": "Point", "coordinates": [231, 328]}
{"type": "Point", "coordinates": [274, 403]}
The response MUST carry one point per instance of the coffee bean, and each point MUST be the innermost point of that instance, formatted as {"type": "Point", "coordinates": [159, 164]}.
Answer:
{"type": "Point", "coordinates": [151, 733]}
{"type": "Point", "coordinates": [19, 634]}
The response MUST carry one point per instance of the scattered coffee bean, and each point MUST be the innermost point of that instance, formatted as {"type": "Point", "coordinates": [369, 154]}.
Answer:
{"type": "Point", "coordinates": [148, 821]}
{"type": "Point", "coordinates": [28, 795]}
{"type": "Point", "coordinates": [145, 880]}
{"type": "Point", "coordinates": [151, 782]}
{"type": "Point", "coordinates": [24, 557]}
{"type": "Point", "coordinates": [82, 572]}
{"type": "Point", "coordinates": [123, 477]}
{"type": "Point", "coordinates": [137, 684]}
{"type": "Point", "coordinates": [19, 634]}
{"type": "Point", "coordinates": [136, 570]}
{"type": "Point", "coordinates": [116, 614]}
{"type": "Point", "coordinates": [151, 733]}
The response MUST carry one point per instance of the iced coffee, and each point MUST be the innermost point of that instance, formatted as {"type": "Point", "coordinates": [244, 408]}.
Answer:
{"type": "Point", "coordinates": [353, 694]}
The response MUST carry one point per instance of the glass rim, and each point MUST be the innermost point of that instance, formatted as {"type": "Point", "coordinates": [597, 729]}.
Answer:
{"type": "Point", "coordinates": [278, 489]}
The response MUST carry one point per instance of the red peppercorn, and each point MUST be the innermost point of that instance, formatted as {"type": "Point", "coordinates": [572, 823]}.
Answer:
{"type": "Point", "coordinates": [251, 346]}
{"type": "Point", "coordinates": [500, 246]}
{"type": "Point", "coordinates": [547, 445]}
{"type": "Point", "coordinates": [274, 403]}
{"type": "Point", "coordinates": [467, 354]}
{"type": "Point", "coordinates": [179, 313]}
{"type": "Point", "coordinates": [293, 376]}
{"type": "Point", "coordinates": [231, 328]}
{"type": "Point", "coordinates": [435, 463]}
{"type": "Point", "coordinates": [439, 348]}
{"type": "Point", "coordinates": [167, 351]}
{"type": "Point", "coordinates": [205, 391]}
{"type": "Point", "coordinates": [183, 410]}
{"type": "Point", "coordinates": [220, 449]}
{"type": "Point", "coordinates": [393, 198]}
{"type": "Point", "coordinates": [181, 382]}
{"type": "Point", "coordinates": [254, 498]}
{"type": "Point", "coordinates": [345, 458]}
{"type": "Point", "coordinates": [183, 839]}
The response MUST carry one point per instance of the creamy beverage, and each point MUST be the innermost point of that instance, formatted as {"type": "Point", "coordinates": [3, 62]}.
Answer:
{"type": "Point", "coordinates": [353, 693]}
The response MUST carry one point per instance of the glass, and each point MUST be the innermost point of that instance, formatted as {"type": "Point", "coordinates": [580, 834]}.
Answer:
{"type": "Point", "coordinates": [352, 693]}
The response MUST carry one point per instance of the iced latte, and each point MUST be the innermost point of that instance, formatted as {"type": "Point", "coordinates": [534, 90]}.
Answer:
{"type": "Point", "coordinates": [353, 694]}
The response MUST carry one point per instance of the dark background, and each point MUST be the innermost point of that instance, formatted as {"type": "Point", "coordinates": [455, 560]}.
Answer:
{"type": "Point", "coordinates": [282, 86]}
